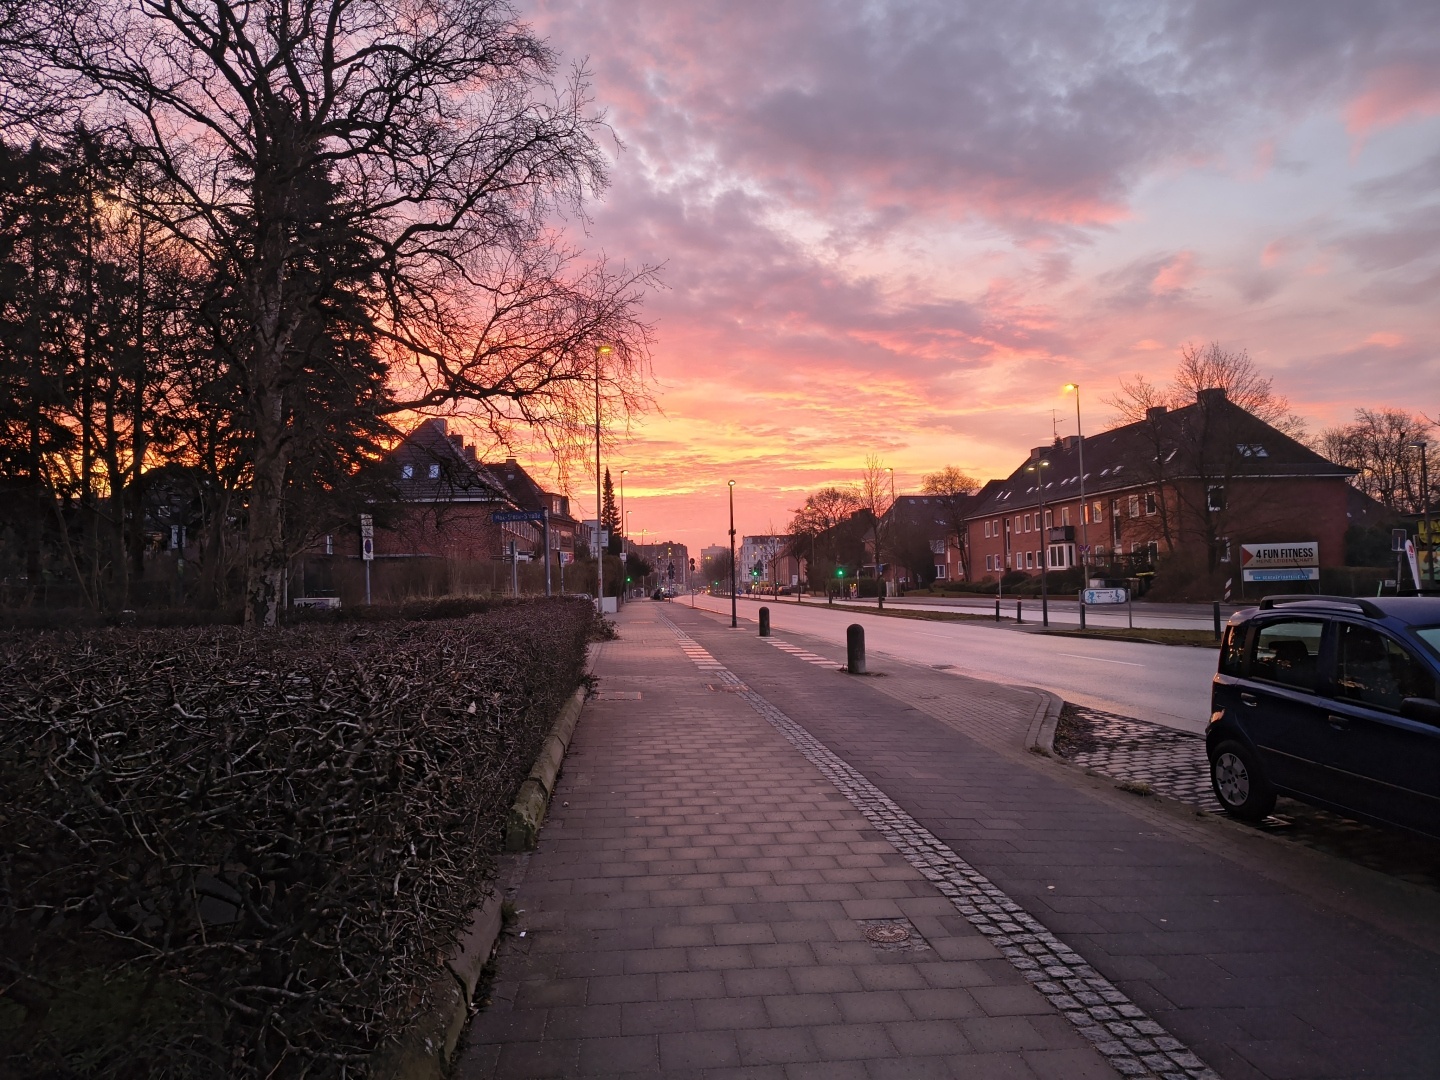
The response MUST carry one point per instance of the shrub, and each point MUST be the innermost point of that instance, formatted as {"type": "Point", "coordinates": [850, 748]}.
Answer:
{"type": "Point", "coordinates": [245, 855]}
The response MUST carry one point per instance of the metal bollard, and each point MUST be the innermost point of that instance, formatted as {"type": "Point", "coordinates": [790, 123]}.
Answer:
{"type": "Point", "coordinates": [1019, 617]}
{"type": "Point", "coordinates": [997, 610]}
{"type": "Point", "coordinates": [1217, 620]}
{"type": "Point", "coordinates": [764, 622]}
{"type": "Point", "coordinates": [1082, 616]}
{"type": "Point", "coordinates": [855, 649]}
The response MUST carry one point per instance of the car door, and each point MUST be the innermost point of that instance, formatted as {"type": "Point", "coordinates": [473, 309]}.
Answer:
{"type": "Point", "coordinates": [1280, 701]}
{"type": "Point", "coordinates": [1381, 764]}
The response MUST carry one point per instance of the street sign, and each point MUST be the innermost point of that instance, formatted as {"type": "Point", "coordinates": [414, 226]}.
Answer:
{"type": "Point", "coordinates": [367, 548]}
{"type": "Point", "coordinates": [367, 526]}
{"type": "Point", "coordinates": [518, 515]}
{"type": "Point", "coordinates": [1289, 573]}
{"type": "Point", "coordinates": [1105, 596]}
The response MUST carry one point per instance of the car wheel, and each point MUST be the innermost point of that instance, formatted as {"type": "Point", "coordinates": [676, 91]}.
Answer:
{"type": "Point", "coordinates": [1239, 785]}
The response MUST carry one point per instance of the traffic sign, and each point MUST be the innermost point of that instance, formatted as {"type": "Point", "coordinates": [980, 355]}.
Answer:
{"type": "Point", "coordinates": [1105, 596]}
{"type": "Point", "coordinates": [367, 548]}
{"type": "Point", "coordinates": [367, 526]}
{"type": "Point", "coordinates": [518, 515]}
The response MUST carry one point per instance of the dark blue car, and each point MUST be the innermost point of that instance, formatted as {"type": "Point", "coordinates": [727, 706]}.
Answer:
{"type": "Point", "coordinates": [1331, 700]}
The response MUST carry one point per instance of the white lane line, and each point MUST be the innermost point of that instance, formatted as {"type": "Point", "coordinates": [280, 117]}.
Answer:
{"type": "Point", "coordinates": [1100, 659]}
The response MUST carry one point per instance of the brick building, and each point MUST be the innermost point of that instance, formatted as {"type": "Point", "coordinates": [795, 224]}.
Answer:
{"type": "Point", "coordinates": [1191, 484]}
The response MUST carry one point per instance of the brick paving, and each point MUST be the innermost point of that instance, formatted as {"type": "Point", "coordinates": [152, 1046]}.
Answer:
{"type": "Point", "coordinates": [1171, 762]}
{"type": "Point", "coordinates": [1262, 960]}
{"type": "Point", "coordinates": [699, 907]}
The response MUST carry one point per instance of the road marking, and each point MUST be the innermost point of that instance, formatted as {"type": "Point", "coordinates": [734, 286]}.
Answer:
{"type": "Point", "coordinates": [1100, 659]}
{"type": "Point", "coordinates": [1137, 1047]}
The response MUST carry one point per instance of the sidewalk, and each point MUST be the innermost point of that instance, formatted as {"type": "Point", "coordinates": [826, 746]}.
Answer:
{"type": "Point", "coordinates": [706, 903]}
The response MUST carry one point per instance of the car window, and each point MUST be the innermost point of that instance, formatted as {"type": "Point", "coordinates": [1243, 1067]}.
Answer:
{"type": "Point", "coordinates": [1288, 652]}
{"type": "Point", "coordinates": [1431, 636]}
{"type": "Point", "coordinates": [1232, 651]}
{"type": "Point", "coordinates": [1376, 670]}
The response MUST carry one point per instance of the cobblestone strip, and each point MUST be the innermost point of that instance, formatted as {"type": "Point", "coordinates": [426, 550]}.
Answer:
{"type": "Point", "coordinates": [1133, 1043]}
{"type": "Point", "coordinates": [1172, 762]}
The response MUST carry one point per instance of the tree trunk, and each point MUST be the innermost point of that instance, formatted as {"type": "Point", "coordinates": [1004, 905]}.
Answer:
{"type": "Point", "coordinates": [265, 550]}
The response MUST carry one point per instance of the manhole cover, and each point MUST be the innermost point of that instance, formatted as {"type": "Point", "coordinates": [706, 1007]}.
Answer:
{"type": "Point", "coordinates": [891, 934]}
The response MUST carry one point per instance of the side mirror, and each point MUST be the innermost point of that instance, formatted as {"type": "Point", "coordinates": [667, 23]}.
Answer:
{"type": "Point", "coordinates": [1426, 710]}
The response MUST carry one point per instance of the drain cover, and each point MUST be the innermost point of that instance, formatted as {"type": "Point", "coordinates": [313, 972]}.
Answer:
{"type": "Point", "coordinates": [889, 934]}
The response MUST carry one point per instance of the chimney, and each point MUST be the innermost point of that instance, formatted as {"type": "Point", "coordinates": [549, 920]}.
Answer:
{"type": "Point", "coordinates": [1072, 443]}
{"type": "Point", "coordinates": [1155, 412]}
{"type": "Point", "coordinates": [1039, 452]}
{"type": "Point", "coordinates": [1211, 397]}
{"type": "Point", "coordinates": [458, 441]}
{"type": "Point", "coordinates": [470, 455]}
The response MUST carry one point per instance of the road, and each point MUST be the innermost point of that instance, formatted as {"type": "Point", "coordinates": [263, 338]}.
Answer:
{"type": "Point", "coordinates": [1067, 612]}
{"type": "Point", "coordinates": [1166, 684]}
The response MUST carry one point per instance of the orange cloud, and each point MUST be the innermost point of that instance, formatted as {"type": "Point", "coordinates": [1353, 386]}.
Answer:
{"type": "Point", "coordinates": [1392, 95]}
{"type": "Point", "coordinates": [1386, 339]}
{"type": "Point", "coordinates": [1175, 274]}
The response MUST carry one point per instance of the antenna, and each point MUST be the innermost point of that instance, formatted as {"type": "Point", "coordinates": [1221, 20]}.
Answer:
{"type": "Point", "coordinates": [1054, 426]}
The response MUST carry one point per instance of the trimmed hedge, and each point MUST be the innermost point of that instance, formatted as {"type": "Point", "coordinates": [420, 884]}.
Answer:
{"type": "Point", "coordinates": [247, 855]}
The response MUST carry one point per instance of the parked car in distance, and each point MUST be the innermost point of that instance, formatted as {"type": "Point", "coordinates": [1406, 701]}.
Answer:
{"type": "Point", "coordinates": [1331, 700]}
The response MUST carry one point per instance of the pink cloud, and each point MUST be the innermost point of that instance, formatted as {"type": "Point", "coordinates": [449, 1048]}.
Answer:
{"type": "Point", "coordinates": [1393, 95]}
{"type": "Point", "coordinates": [1175, 275]}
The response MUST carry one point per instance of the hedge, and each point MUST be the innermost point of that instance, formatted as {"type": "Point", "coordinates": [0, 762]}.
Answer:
{"type": "Point", "coordinates": [247, 855]}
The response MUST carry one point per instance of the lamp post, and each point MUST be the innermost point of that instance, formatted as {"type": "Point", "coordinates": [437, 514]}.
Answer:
{"type": "Point", "coordinates": [625, 524]}
{"type": "Point", "coordinates": [1038, 468]}
{"type": "Point", "coordinates": [1423, 445]}
{"type": "Point", "coordinates": [891, 471]}
{"type": "Point", "coordinates": [734, 622]}
{"type": "Point", "coordinates": [1084, 506]}
{"type": "Point", "coordinates": [600, 351]}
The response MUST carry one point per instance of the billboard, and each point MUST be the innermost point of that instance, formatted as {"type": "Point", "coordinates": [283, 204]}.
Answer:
{"type": "Point", "coordinates": [1296, 560]}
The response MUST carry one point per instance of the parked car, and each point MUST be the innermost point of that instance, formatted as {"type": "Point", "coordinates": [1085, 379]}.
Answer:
{"type": "Point", "coordinates": [1331, 700]}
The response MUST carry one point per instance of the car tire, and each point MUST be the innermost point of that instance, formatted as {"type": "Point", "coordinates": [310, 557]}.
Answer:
{"type": "Point", "coordinates": [1239, 784]}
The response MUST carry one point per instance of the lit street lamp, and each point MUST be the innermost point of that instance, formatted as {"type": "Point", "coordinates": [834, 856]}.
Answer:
{"type": "Point", "coordinates": [600, 351]}
{"type": "Point", "coordinates": [1038, 468]}
{"type": "Point", "coordinates": [1084, 506]}
{"type": "Point", "coordinates": [734, 621]}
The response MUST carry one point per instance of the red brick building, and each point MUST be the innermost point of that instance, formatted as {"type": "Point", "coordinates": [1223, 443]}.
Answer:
{"type": "Point", "coordinates": [1190, 484]}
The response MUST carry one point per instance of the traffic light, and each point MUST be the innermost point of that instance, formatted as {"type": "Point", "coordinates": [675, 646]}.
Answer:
{"type": "Point", "coordinates": [839, 571]}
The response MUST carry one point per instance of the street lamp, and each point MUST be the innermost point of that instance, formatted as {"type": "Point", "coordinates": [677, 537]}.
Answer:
{"type": "Point", "coordinates": [624, 524]}
{"type": "Point", "coordinates": [891, 471]}
{"type": "Point", "coordinates": [1423, 445]}
{"type": "Point", "coordinates": [600, 351]}
{"type": "Point", "coordinates": [1038, 468]}
{"type": "Point", "coordinates": [734, 622]}
{"type": "Point", "coordinates": [1084, 506]}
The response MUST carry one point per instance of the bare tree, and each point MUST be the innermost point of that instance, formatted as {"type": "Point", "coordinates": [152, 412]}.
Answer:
{"type": "Point", "coordinates": [813, 530]}
{"type": "Point", "coordinates": [1381, 446]}
{"type": "Point", "coordinates": [1208, 368]}
{"type": "Point", "coordinates": [954, 489]}
{"type": "Point", "coordinates": [432, 136]}
{"type": "Point", "coordinates": [876, 487]}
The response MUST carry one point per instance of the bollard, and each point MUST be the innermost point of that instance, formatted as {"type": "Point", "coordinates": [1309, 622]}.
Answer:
{"type": "Point", "coordinates": [1018, 617]}
{"type": "Point", "coordinates": [997, 610]}
{"type": "Point", "coordinates": [1082, 616]}
{"type": "Point", "coordinates": [855, 649]}
{"type": "Point", "coordinates": [1217, 620]}
{"type": "Point", "coordinates": [764, 622]}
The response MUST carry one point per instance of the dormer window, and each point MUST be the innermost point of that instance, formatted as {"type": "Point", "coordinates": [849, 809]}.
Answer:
{"type": "Point", "coordinates": [1252, 450]}
{"type": "Point", "coordinates": [434, 472]}
{"type": "Point", "coordinates": [407, 472]}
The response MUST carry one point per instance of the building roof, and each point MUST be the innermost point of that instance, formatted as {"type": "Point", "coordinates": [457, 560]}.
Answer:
{"type": "Point", "coordinates": [525, 492]}
{"type": "Point", "coordinates": [1208, 439]}
{"type": "Point", "coordinates": [443, 469]}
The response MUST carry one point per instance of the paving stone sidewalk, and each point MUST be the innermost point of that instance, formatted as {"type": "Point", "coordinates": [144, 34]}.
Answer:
{"type": "Point", "coordinates": [706, 903]}
{"type": "Point", "coordinates": [1264, 961]}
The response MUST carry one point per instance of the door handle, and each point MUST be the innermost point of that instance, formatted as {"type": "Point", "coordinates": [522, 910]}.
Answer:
{"type": "Point", "coordinates": [1249, 699]}
{"type": "Point", "coordinates": [1339, 723]}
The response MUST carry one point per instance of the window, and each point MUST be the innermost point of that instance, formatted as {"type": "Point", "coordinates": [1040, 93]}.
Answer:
{"type": "Point", "coordinates": [434, 472]}
{"type": "Point", "coordinates": [1049, 519]}
{"type": "Point", "coordinates": [939, 571]}
{"type": "Point", "coordinates": [1224, 549]}
{"type": "Point", "coordinates": [1027, 522]}
{"type": "Point", "coordinates": [1150, 505]}
{"type": "Point", "coordinates": [407, 472]}
{"type": "Point", "coordinates": [1215, 497]}
{"type": "Point", "coordinates": [1064, 515]}
{"type": "Point", "coordinates": [329, 544]}
{"type": "Point", "coordinates": [1252, 450]}
{"type": "Point", "coordinates": [987, 533]}
{"type": "Point", "coordinates": [1232, 651]}
{"type": "Point", "coordinates": [1029, 560]}
{"type": "Point", "coordinates": [1097, 511]}
{"type": "Point", "coordinates": [1286, 653]}
{"type": "Point", "coordinates": [1134, 506]}
{"type": "Point", "coordinates": [1375, 670]}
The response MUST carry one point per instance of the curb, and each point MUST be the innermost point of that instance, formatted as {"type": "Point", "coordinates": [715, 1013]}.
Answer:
{"type": "Point", "coordinates": [428, 1047]}
{"type": "Point", "coordinates": [1040, 732]}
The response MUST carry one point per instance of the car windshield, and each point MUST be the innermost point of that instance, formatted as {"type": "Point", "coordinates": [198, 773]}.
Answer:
{"type": "Point", "coordinates": [1430, 635]}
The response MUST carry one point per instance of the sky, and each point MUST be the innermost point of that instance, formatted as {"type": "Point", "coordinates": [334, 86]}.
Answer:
{"type": "Point", "coordinates": [899, 227]}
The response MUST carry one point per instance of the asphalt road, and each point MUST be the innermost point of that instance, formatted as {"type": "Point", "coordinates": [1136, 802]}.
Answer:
{"type": "Point", "coordinates": [1165, 684]}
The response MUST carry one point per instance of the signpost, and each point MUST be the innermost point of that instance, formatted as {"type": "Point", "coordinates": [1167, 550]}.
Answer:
{"type": "Point", "coordinates": [1106, 596]}
{"type": "Point", "coordinates": [500, 518]}
{"type": "Point", "coordinates": [1294, 561]}
{"type": "Point", "coordinates": [367, 549]}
